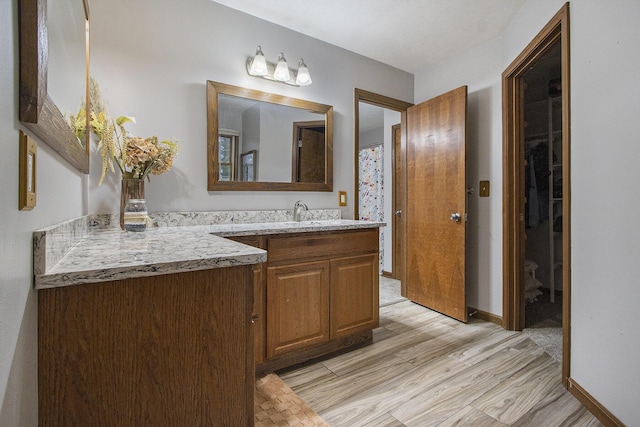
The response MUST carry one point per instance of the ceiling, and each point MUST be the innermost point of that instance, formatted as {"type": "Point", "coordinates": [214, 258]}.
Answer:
{"type": "Point", "coordinates": [406, 34]}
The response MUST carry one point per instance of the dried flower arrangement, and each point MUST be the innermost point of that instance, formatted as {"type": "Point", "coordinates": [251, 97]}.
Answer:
{"type": "Point", "coordinates": [136, 157]}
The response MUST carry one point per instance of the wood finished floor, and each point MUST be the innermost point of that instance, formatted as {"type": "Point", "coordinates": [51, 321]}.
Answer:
{"type": "Point", "coordinates": [425, 369]}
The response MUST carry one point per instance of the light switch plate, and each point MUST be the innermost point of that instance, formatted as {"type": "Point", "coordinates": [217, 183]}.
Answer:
{"type": "Point", "coordinates": [28, 151]}
{"type": "Point", "coordinates": [342, 198]}
{"type": "Point", "coordinates": [484, 189]}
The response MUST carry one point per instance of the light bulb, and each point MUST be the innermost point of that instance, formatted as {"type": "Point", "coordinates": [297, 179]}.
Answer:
{"type": "Point", "coordinates": [258, 64]}
{"type": "Point", "coordinates": [282, 69]}
{"type": "Point", "coordinates": [303, 77]}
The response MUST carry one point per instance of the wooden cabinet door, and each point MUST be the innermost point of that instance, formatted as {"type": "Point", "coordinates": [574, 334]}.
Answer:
{"type": "Point", "coordinates": [354, 294]}
{"type": "Point", "coordinates": [257, 318]}
{"type": "Point", "coordinates": [297, 306]}
{"type": "Point", "coordinates": [166, 350]}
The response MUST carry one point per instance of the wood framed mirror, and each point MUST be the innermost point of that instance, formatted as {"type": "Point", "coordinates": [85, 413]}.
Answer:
{"type": "Point", "coordinates": [243, 121]}
{"type": "Point", "coordinates": [54, 62]}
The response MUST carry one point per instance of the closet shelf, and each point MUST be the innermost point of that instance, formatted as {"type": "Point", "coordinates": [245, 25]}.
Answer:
{"type": "Point", "coordinates": [542, 135]}
{"type": "Point", "coordinates": [545, 101]}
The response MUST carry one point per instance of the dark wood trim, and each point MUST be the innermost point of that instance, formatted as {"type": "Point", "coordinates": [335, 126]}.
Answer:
{"type": "Point", "coordinates": [37, 111]}
{"type": "Point", "coordinates": [566, 193]}
{"type": "Point", "coordinates": [485, 315]}
{"type": "Point", "coordinates": [297, 127]}
{"type": "Point", "coordinates": [513, 167]}
{"type": "Point", "coordinates": [397, 195]}
{"type": "Point", "coordinates": [387, 274]}
{"type": "Point", "coordinates": [214, 184]}
{"type": "Point", "coordinates": [402, 271]}
{"type": "Point", "coordinates": [595, 407]}
{"type": "Point", "coordinates": [360, 95]}
{"type": "Point", "coordinates": [556, 30]}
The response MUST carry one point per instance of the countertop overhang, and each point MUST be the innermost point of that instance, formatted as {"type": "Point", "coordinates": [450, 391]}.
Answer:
{"type": "Point", "coordinates": [113, 254]}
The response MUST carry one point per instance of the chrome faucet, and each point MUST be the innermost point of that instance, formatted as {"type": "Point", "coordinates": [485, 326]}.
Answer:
{"type": "Point", "coordinates": [297, 208]}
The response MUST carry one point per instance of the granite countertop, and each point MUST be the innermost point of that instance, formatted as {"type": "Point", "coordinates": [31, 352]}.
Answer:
{"type": "Point", "coordinates": [113, 254]}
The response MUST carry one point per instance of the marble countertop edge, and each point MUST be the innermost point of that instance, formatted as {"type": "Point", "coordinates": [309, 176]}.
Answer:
{"type": "Point", "coordinates": [55, 280]}
{"type": "Point", "coordinates": [289, 227]}
{"type": "Point", "coordinates": [112, 254]}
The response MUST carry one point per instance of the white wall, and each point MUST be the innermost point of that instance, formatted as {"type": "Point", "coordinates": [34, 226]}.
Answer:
{"type": "Point", "coordinates": [60, 196]}
{"type": "Point", "coordinates": [604, 200]}
{"type": "Point", "coordinates": [152, 59]}
{"type": "Point", "coordinates": [275, 150]}
{"type": "Point", "coordinates": [372, 137]}
{"type": "Point", "coordinates": [605, 342]}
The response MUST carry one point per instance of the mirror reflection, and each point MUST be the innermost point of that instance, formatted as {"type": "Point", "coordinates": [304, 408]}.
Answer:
{"type": "Point", "coordinates": [272, 131]}
{"type": "Point", "coordinates": [67, 54]}
{"type": "Point", "coordinates": [262, 141]}
{"type": "Point", "coordinates": [53, 73]}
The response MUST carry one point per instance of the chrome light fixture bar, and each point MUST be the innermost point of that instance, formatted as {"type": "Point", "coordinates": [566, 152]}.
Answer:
{"type": "Point", "coordinates": [258, 66]}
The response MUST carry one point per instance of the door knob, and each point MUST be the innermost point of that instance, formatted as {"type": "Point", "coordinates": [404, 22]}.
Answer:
{"type": "Point", "coordinates": [455, 217]}
{"type": "Point", "coordinates": [398, 213]}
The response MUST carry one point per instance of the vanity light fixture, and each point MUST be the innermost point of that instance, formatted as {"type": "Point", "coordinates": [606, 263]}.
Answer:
{"type": "Point", "coordinates": [282, 69]}
{"type": "Point", "coordinates": [303, 78]}
{"type": "Point", "coordinates": [259, 67]}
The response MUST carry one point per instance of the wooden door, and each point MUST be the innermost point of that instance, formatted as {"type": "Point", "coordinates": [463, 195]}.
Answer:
{"type": "Point", "coordinates": [397, 205]}
{"type": "Point", "coordinates": [297, 306]}
{"type": "Point", "coordinates": [308, 151]}
{"type": "Point", "coordinates": [354, 294]}
{"type": "Point", "coordinates": [436, 203]}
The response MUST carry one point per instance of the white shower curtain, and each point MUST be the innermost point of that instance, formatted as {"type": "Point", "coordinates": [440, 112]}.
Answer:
{"type": "Point", "coordinates": [371, 183]}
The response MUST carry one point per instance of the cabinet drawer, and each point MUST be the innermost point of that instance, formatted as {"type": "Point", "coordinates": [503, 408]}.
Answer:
{"type": "Point", "coordinates": [322, 245]}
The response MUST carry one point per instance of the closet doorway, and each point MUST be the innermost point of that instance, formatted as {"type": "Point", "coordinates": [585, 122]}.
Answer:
{"type": "Point", "coordinates": [378, 195]}
{"type": "Point", "coordinates": [536, 205]}
{"type": "Point", "coordinates": [543, 199]}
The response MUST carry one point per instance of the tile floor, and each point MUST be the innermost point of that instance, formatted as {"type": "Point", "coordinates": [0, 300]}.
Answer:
{"type": "Point", "coordinates": [425, 369]}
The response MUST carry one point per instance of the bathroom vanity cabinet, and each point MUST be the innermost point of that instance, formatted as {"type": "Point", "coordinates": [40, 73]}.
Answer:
{"type": "Point", "coordinates": [317, 293]}
{"type": "Point", "coordinates": [159, 350]}
{"type": "Point", "coordinates": [168, 327]}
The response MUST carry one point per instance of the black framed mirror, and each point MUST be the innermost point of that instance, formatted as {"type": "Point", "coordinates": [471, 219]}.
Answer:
{"type": "Point", "coordinates": [287, 141]}
{"type": "Point", "coordinates": [57, 28]}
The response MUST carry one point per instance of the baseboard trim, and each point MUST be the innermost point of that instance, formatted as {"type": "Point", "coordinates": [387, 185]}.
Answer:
{"type": "Point", "coordinates": [387, 274]}
{"type": "Point", "coordinates": [486, 316]}
{"type": "Point", "coordinates": [595, 407]}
